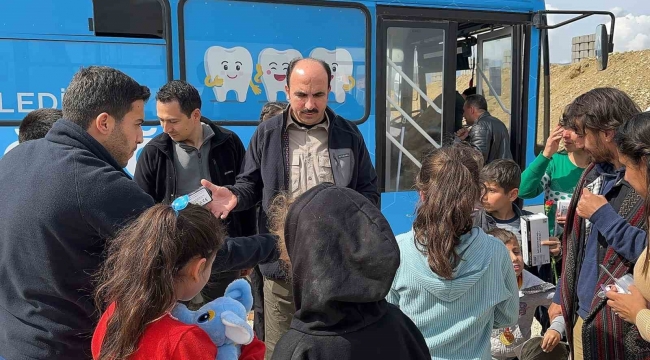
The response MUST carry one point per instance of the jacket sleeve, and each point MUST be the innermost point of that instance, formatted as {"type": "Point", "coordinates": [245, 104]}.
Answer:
{"type": "Point", "coordinates": [253, 351]}
{"type": "Point", "coordinates": [109, 206]}
{"type": "Point", "coordinates": [247, 218]}
{"type": "Point", "coordinates": [241, 253]}
{"type": "Point", "coordinates": [367, 176]}
{"type": "Point", "coordinates": [558, 325]}
{"type": "Point", "coordinates": [248, 187]}
{"type": "Point", "coordinates": [506, 313]}
{"type": "Point", "coordinates": [479, 137]}
{"type": "Point", "coordinates": [625, 239]}
{"type": "Point", "coordinates": [145, 174]}
{"type": "Point", "coordinates": [642, 322]}
{"type": "Point", "coordinates": [531, 179]}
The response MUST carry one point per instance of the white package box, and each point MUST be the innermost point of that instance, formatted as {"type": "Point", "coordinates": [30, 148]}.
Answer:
{"type": "Point", "coordinates": [534, 230]}
{"type": "Point", "coordinates": [562, 210]}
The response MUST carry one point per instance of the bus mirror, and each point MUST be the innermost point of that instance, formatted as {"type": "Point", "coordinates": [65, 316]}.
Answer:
{"type": "Point", "coordinates": [601, 47]}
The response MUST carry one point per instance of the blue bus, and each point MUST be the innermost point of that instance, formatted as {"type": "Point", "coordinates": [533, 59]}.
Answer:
{"type": "Point", "coordinates": [397, 66]}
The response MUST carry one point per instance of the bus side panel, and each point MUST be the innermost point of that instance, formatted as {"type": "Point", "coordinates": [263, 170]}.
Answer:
{"type": "Point", "coordinates": [35, 73]}
{"type": "Point", "coordinates": [39, 17]}
{"type": "Point", "coordinates": [237, 52]}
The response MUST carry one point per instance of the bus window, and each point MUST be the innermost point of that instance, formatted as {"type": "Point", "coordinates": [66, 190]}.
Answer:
{"type": "Point", "coordinates": [128, 18]}
{"type": "Point", "coordinates": [494, 72]}
{"type": "Point", "coordinates": [236, 54]}
{"type": "Point", "coordinates": [414, 68]}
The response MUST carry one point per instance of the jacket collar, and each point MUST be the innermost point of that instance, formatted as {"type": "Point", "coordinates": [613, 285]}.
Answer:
{"type": "Point", "coordinates": [165, 143]}
{"type": "Point", "coordinates": [485, 114]}
{"type": "Point", "coordinates": [68, 133]}
{"type": "Point", "coordinates": [329, 113]}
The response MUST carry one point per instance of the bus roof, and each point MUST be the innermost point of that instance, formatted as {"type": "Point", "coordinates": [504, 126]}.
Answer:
{"type": "Point", "coordinates": [488, 5]}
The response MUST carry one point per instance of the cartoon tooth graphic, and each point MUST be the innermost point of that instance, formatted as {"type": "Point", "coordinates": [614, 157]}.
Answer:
{"type": "Point", "coordinates": [340, 61]}
{"type": "Point", "coordinates": [229, 69]}
{"type": "Point", "coordinates": [272, 70]}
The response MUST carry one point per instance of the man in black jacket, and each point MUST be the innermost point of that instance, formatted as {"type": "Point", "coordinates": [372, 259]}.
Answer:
{"type": "Point", "coordinates": [488, 134]}
{"type": "Point", "coordinates": [306, 145]}
{"type": "Point", "coordinates": [192, 148]}
{"type": "Point", "coordinates": [66, 195]}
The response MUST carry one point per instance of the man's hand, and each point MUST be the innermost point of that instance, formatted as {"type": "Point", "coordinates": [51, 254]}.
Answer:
{"type": "Point", "coordinates": [627, 306]}
{"type": "Point", "coordinates": [550, 341]}
{"type": "Point", "coordinates": [223, 200]}
{"type": "Point", "coordinates": [554, 311]}
{"type": "Point", "coordinates": [553, 142]}
{"type": "Point", "coordinates": [462, 133]}
{"type": "Point", "coordinates": [589, 203]}
{"type": "Point", "coordinates": [554, 245]}
{"type": "Point", "coordinates": [560, 220]}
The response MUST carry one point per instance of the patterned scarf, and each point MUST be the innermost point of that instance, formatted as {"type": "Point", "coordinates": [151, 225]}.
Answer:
{"type": "Point", "coordinates": [605, 335]}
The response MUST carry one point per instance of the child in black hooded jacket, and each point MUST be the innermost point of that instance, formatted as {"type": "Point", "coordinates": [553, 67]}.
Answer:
{"type": "Point", "coordinates": [342, 256]}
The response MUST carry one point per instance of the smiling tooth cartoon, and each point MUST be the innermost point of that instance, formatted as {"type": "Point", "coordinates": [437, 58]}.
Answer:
{"type": "Point", "coordinates": [229, 69]}
{"type": "Point", "coordinates": [340, 61]}
{"type": "Point", "coordinates": [272, 70]}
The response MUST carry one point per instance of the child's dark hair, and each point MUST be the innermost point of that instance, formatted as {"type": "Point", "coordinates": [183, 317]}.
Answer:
{"type": "Point", "coordinates": [449, 186]}
{"type": "Point", "coordinates": [142, 264]}
{"type": "Point", "coordinates": [503, 172]}
{"type": "Point", "coordinates": [504, 235]}
{"type": "Point", "coordinates": [270, 109]}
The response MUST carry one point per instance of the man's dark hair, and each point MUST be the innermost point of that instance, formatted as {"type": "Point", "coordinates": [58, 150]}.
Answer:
{"type": "Point", "coordinates": [470, 91]}
{"type": "Point", "coordinates": [599, 109]}
{"type": "Point", "coordinates": [478, 101]}
{"type": "Point", "coordinates": [37, 123]}
{"type": "Point", "coordinates": [98, 89]}
{"type": "Point", "coordinates": [271, 109]}
{"type": "Point", "coordinates": [503, 172]}
{"type": "Point", "coordinates": [295, 61]}
{"type": "Point", "coordinates": [187, 96]}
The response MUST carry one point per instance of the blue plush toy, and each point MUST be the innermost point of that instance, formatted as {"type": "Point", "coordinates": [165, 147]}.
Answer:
{"type": "Point", "coordinates": [224, 319]}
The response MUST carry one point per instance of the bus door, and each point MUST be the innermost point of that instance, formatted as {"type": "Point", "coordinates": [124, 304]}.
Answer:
{"type": "Point", "coordinates": [415, 62]}
{"type": "Point", "coordinates": [425, 59]}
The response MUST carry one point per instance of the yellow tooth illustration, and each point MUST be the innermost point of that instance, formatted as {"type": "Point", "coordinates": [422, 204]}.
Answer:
{"type": "Point", "coordinates": [216, 82]}
{"type": "Point", "coordinates": [350, 86]}
{"type": "Point", "coordinates": [258, 74]}
{"type": "Point", "coordinates": [256, 89]}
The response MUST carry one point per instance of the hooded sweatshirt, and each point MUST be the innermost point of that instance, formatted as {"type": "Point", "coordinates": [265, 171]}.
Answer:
{"type": "Point", "coordinates": [457, 316]}
{"type": "Point", "coordinates": [344, 257]}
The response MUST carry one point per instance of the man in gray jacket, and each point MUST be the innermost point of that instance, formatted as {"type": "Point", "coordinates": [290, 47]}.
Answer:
{"type": "Point", "coordinates": [488, 134]}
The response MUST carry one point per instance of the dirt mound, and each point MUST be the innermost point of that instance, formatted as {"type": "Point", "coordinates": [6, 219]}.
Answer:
{"type": "Point", "coordinates": [626, 71]}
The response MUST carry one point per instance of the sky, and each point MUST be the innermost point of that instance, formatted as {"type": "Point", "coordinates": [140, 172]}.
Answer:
{"type": "Point", "coordinates": [631, 31]}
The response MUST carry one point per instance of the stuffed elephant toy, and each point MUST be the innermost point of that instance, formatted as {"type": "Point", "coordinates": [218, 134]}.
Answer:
{"type": "Point", "coordinates": [224, 319]}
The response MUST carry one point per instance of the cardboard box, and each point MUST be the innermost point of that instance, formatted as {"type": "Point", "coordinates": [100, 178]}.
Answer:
{"type": "Point", "coordinates": [562, 210]}
{"type": "Point", "coordinates": [534, 230]}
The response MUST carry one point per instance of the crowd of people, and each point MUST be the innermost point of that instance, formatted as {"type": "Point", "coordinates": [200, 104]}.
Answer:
{"type": "Point", "coordinates": [93, 263]}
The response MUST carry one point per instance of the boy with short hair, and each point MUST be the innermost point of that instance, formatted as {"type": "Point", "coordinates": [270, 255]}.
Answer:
{"type": "Point", "coordinates": [501, 179]}
{"type": "Point", "coordinates": [506, 344]}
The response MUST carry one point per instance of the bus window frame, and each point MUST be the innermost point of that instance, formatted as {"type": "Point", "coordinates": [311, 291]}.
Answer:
{"type": "Point", "coordinates": [167, 35]}
{"type": "Point", "coordinates": [448, 99]}
{"type": "Point", "coordinates": [315, 3]}
{"type": "Point", "coordinates": [521, 70]}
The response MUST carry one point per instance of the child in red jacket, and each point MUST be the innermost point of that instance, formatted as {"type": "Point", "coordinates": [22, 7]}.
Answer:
{"type": "Point", "coordinates": [163, 257]}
